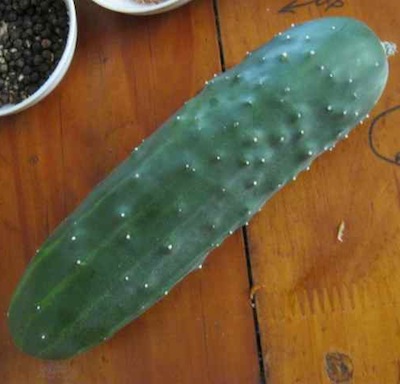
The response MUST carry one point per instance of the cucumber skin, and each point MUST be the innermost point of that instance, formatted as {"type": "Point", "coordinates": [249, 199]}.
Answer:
{"type": "Point", "coordinates": [200, 177]}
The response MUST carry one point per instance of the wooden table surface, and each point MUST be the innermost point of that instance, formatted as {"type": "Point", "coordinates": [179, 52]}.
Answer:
{"type": "Point", "coordinates": [325, 311]}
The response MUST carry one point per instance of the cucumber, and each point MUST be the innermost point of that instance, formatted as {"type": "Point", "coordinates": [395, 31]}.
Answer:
{"type": "Point", "coordinates": [195, 181]}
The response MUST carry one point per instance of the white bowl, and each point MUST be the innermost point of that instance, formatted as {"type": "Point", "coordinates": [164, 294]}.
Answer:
{"type": "Point", "coordinates": [134, 8]}
{"type": "Point", "coordinates": [57, 74]}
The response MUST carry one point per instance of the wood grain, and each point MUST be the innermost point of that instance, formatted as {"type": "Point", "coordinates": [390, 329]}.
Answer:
{"type": "Point", "coordinates": [128, 76]}
{"type": "Point", "coordinates": [329, 311]}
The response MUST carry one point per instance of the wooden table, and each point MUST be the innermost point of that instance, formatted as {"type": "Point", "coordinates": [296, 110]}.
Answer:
{"type": "Point", "coordinates": [325, 311]}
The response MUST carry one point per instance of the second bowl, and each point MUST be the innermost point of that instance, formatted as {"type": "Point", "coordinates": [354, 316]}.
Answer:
{"type": "Point", "coordinates": [134, 7]}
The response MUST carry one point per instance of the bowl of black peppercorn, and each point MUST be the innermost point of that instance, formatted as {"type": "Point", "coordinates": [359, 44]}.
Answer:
{"type": "Point", "coordinates": [37, 44]}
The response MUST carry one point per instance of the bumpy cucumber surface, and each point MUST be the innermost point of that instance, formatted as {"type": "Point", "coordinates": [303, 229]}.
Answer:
{"type": "Point", "coordinates": [201, 176]}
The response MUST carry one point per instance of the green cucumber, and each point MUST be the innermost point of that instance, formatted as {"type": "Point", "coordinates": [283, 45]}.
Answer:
{"type": "Point", "coordinates": [191, 184]}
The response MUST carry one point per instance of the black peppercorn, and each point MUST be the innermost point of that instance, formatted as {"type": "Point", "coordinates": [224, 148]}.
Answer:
{"type": "Point", "coordinates": [33, 35]}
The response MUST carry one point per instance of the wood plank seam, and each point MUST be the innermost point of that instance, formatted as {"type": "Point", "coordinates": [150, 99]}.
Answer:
{"type": "Point", "coordinates": [244, 230]}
